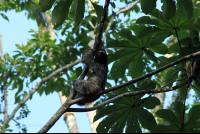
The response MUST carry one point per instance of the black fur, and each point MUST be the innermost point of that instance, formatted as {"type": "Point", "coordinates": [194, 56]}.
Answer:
{"type": "Point", "coordinates": [97, 81]}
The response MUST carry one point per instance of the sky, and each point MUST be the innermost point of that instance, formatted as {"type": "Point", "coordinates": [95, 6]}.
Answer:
{"type": "Point", "coordinates": [42, 107]}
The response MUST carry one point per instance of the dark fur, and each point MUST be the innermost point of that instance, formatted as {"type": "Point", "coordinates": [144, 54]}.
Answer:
{"type": "Point", "coordinates": [97, 81]}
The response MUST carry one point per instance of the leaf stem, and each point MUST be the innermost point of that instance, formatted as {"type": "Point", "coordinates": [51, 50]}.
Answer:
{"type": "Point", "coordinates": [184, 109]}
{"type": "Point", "coordinates": [179, 42]}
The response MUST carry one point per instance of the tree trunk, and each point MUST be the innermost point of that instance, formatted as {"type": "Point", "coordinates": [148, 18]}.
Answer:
{"type": "Point", "coordinates": [91, 115]}
{"type": "Point", "coordinates": [4, 88]}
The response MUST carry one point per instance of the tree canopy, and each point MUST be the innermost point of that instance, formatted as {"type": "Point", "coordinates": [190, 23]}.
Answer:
{"type": "Point", "coordinates": [147, 56]}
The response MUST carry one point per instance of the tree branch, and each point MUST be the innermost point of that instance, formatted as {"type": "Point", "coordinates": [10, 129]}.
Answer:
{"type": "Point", "coordinates": [39, 84]}
{"type": "Point", "coordinates": [115, 14]}
{"type": "Point", "coordinates": [152, 73]}
{"type": "Point", "coordinates": [100, 29]}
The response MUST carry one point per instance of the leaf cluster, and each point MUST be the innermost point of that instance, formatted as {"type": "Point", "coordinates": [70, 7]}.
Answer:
{"type": "Point", "coordinates": [134, 49]}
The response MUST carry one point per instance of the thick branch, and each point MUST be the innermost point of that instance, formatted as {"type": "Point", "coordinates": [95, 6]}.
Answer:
{"type": "Point", "coordinates": [57, 115]}
{"type": "Point", "coordinates": [40, 20]}
{"type": "Point", "coordinates": [125, 95]}
{"type": "Point", "coordinates": [100, 29]}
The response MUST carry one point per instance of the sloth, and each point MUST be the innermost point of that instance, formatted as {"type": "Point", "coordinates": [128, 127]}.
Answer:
{"type": "Point", "coordinates": [96, 82]}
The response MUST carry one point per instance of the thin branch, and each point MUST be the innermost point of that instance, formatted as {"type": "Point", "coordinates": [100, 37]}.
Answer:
{"type": "Point", "coordinates": [182, 125]}
{"type": "Point", "coordinates": [91, 25]}
{"type": "Point", "coordinates": [162, 60]}
{"type": "Point", "coordinates": [195, 87]}
{"type": "Point", "coordinates": [39, 84]}
{"type": "Point", "coordinates": [152, 73]}
{"type": "Point", "coordinates": [126, 95]}
{"type": "Point", "coordinates": [15, 121]}
{"type": "Point", "coordinates": [115, 14]}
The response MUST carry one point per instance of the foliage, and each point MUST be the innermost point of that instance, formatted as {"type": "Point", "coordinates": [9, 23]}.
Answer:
{"type": "Point", "coordinates": [134, 49]}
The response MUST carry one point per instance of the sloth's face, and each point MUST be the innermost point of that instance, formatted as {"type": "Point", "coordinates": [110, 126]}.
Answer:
{"type": "Point", "coordinates": [101, 57]}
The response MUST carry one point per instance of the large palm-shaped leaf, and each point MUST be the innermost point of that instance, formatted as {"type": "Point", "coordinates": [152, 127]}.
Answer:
{"type": "Point", "coordinates": [175, 119]}
{"type": "Point", "coordinates": [177, 22]}
{"type": "Point", "coordinates": [130, 52]}
{"type": "Point", "coordinates": [128, 112]}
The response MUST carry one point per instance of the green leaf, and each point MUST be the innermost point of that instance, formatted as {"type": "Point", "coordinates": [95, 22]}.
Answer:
{"type": "Point", "coordinates": [182, 91]}
{"type": "Point", "coordinates": [118, 68]}
{"type": "Point", "coordinates": [18, 46]}
{"type": "Point", "coordinates": [193, 115]}
{"type": "Point", "coordinates": [127, 111]}
{"type": "Point", "coordinates": [146, 119]}
{"type": "Point", "coordinates": [151, 56]}
{"type": "Point", "coordinates": [150, 102]}
{"type": "Point", "coordinates": [17, 99]}
{"type": "Point", "coordinates": [136, 67]}
{"type": "Point", "coordinates": [166, 129]}
{"type": "Point", "coordinates": [45, 5]}
{"type": "Point", "coordinates": [168, 8]}
{"type": "Point", "coordinates": [161, 48]}
{"type": "Point", "coordinates": [178, 107]}
{"type": "Point", "coordinates": [158, 38]}
{"type": "Point", "coordinates": [185, 7]}
{"type": "Point", "coordinates": [80, 9]}
{"type": "Point", "coordinates": [148, 5]}
{"type": "Point", "coordinates": [147, 85]}
{"type": "Point", "coordinates": [146, 20]}
{"type": "Point", "coordinates": [148, 31]}
{"type": "Point", "coordinates": [113, 118]}
{"type": "Point", "coordinates": [171, 76]}
{"type": "Point", "coordinates": [60, 12]}
{"type": "Point", "coordinates": [175, 119]}
{"type": "Point", "coordinates": [113, 4]}
{"type": "Point", "coordinates": [133, 125]}
{"type": "Point", "coordinates": [168, 115]}
{"type": "Point", "coordinates": [186, 41]}
{"type": "Point", "coordinates": [4, 16]}
{"type": "Point", "coordinates": [176, 22]}
{"type": "Point", "coordinates": [74, 7]}
{"type": "Point", "coordinates": [196, 88]}
{"type": "Point", "coordinates": [174, 48]}
{"type": "Point", "coordinates": [98, 10]}
{"type": "Point", "coordinates": [134, 41]}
